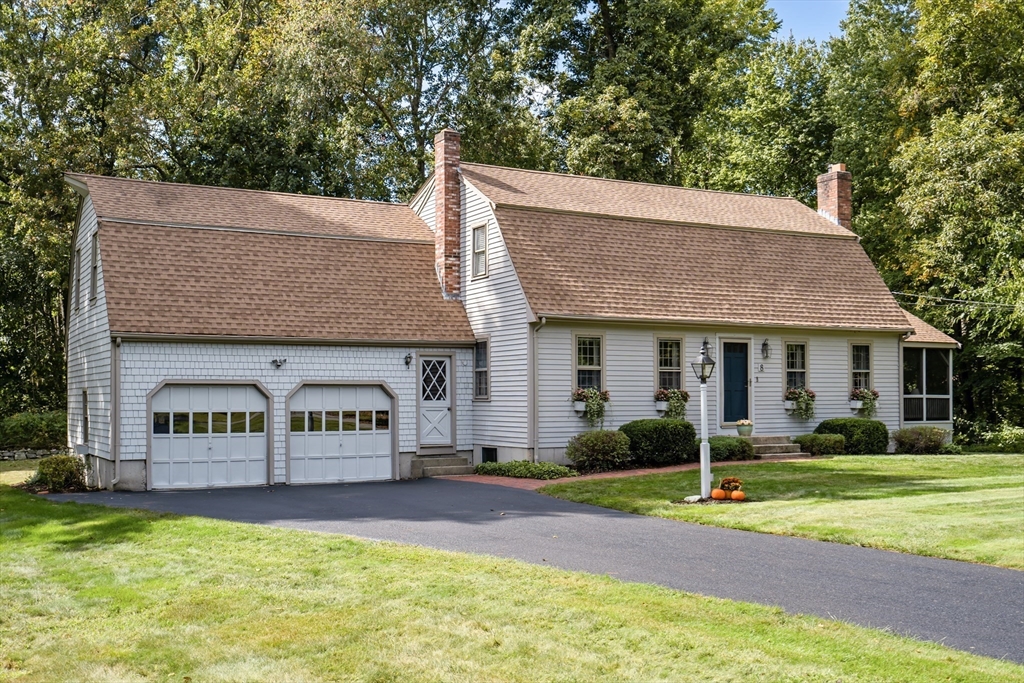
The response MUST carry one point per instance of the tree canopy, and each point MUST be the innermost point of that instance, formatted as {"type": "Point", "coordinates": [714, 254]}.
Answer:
{"type": "Point", "coordinates": [922, 99]}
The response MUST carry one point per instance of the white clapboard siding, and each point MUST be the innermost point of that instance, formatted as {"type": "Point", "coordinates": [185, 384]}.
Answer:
{"type": "Point", "coordinates": [145, 364]}
{"type": "Point", "coordinates": [630, 379]}
{"type": "Point", "coordinates": [88, 366]}
{"type": "Point", "coordinates": [497, 308]}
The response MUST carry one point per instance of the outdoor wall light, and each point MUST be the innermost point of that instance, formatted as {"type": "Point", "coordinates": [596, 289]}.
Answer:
{"type": "Point", "coordinates": [766, 349]}
{"type": "Point", "coordinates": [278, 362]}
{"type": "Point", "coordinates": [408, 359]}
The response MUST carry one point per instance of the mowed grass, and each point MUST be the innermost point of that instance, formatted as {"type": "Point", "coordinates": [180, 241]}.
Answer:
{"type": "Point", "coordinates": [96, 594]}
{"type": "Point", "coordinates": [967, 507]}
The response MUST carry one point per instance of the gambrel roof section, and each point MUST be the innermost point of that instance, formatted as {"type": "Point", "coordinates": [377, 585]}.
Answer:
{"type": "Point", "coordinates": [604, 249]}
{"type": "Point", "coordinates": [201, 262]}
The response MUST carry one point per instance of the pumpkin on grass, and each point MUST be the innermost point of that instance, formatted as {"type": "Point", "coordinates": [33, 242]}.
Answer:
{"type": "Point", "coordinates": [738, 495]}
{"type": "Point", "coordinates": [718, 494]}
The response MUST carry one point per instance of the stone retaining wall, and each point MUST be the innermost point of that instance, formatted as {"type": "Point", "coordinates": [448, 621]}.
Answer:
{"type": "Point", "coordinates": [31, 453]}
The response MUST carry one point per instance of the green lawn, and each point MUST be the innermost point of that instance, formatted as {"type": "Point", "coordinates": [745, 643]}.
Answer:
{"type": "Point", "coordinates": [95, 594]}
{"type": "Point", "coordinates": [959, 507]}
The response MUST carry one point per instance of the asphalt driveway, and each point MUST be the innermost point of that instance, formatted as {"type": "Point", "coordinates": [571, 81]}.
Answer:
{"type": "Point", "coordinates": [971, 607]}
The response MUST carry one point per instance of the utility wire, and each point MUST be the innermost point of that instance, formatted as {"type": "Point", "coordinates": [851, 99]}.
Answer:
{"type": "Point", "coordinates": [956, 301]}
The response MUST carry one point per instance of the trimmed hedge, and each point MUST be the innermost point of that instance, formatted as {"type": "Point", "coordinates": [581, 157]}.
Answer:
{"type": "Point", "coordinates": [661, 442]}
{"type": "Point", "coordinates": [61, 473]}
{"type": "Point", "coordinates": [729, 448]}
{"type": "Point", "coordinates": [599, 451]}
{"type": "Point", "coordinates": [35, 430]}
{"type": "Point", "coordinates": [524, 469]}
{"type": "Point", "coordinates": [821, 444]}
{"type": "Point", "coordinates": [863, 436]}
{"type": "Point", "coordinates": [920, 440]}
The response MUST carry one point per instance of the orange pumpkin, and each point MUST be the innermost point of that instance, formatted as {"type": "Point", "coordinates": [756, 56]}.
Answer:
{"type": "Point", "coordinates": [718, 494]}
{"type": "Point", "coordinates": [738, 495]}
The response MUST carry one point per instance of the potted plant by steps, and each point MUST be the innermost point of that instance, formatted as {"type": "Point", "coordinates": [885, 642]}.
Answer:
{"type": "Point", "coordinates": [864, 401]}
{"type": "Point", "coordinates": [744, 427]}
{"type": "Point", "coordinates": [589, 403]}
{"type": "Point", "coordinates": [799, 402]}
{"type": "Point", "coordinates": [671, 403]}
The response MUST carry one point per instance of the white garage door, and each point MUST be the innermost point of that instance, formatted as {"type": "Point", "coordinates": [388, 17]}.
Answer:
{"type": "Point", "coordinates": [208, 436]}
{"type": "Point", "coordinates": [339, 433]}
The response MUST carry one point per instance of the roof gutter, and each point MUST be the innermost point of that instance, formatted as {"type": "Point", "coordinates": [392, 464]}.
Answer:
{"type": "Point", "coordinates": [115, 410]}
{"type": "Point", "coordinates": [301, 341]}
{"type": "Point", "coordinates": [726, 323]}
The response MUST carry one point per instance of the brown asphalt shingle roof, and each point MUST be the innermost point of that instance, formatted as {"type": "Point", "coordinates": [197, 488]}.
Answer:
{"type": "Point", "coordinates": [578, 265]}
{"type": "Point", "coordinates": [141, 201]}
{"type": "Point", "coordinates": [923, 332]}
{"type": "Point", "coordinates": [194, 281]}
{"type": "Point", "coordinates": [584, 194]}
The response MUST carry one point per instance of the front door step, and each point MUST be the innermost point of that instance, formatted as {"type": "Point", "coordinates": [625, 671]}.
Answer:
{"type": "Point", "coordinates": [768, 447]}
{"type": "Point", "coordinates": [440, 466]}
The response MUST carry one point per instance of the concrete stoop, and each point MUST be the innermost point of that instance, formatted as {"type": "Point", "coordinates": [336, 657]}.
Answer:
{"type": "Point", "coordinates": [768, 447]}
{"type": "Point", "coordinates": [440, 466]}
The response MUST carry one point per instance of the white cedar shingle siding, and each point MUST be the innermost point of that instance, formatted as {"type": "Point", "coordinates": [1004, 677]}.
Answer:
{"type": "Point", "coordinates": [146, 364]}
{"type": "Point", "coordinates": [89, 345]}
{"type": "Point", "coordinates": [630, 379]}
{"type": "Point", "coordinates": [496, 307]}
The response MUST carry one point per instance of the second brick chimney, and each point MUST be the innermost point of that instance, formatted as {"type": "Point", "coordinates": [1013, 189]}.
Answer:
{"type": "Point", "coordinates": [447, 212]}
{"type": "Point", "coordinates": [835, 195]}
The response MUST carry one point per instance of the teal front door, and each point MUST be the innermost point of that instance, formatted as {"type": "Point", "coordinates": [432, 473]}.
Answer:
{"type": "Point", "coordinates": [735, 381]}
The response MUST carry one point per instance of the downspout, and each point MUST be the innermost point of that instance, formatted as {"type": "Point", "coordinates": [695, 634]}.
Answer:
{"type": "Point", "coordinates": [115, 410]}
{"type": "Point", "coordinates": [534, 383]}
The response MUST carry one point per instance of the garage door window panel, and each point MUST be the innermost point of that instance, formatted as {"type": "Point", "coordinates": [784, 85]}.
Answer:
{"type": "Point", "coordinates": [200, 423]}
{"type": "Point", "coordinates": [348, 421]}
{"type": "Point", "coordinates": [382, 420]}
{"type": "Point", "coordinates": [181, 421]}
{"type": "Point", "coordinates": [219, 423]}
{"type": "Point", "coordinates": [161, 423]}
{"type": "Point", "coordinates": [257, 423]}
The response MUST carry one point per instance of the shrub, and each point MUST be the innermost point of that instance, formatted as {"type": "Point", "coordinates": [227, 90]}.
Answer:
{"type": "Point", "coordinates": [863, 436]}
{"type": "Point", "coordinates": [821, 444]}
{"type": "Point", "coordinates": [730, 448]}
{"type": "Point", "coordinates": [951, 449]}
{"type": "Point", "coordinates": [35, 430]}
{"type": "Point", "coordinates": [524, 469]}
{"type": "Point", "coordinates": [661, 442]}
{"type": "Point", "coordinates": [599, 451]}
{"type": "Point", "coordinates": [920, 440]}
{"type": "Point", "coordinates": [1008, 439]}
{"type": "Point", "coordinates": [60, 473]}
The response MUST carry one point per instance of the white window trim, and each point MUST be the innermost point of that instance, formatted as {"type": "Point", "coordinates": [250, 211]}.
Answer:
{"type": "Point", "coordinates": [657, 359]}
{"type": "Point", "coordinates": [77, 275]}
{"type": "Point", "coordinates": [575, 357]}
{"type": "Point", "coordinates": [473, 251]}
{"type": "Point", "coordinates": [871, 364]}
{"type": "Point", "coordinates": [483, 338]}
{"type": "Point", "coordinates": [807, 362]}
{"type": "Point", "coordinates": [94, 265]}
{"type": "Point", "coordinates": [924, 408]}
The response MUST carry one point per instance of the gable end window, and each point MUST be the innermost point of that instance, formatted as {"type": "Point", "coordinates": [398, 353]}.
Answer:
{"type": "Point", "coordinates": [94, 265]}
{"type": "Point", "coordinates": [481, 370]}
{"type": "Point", "coordinates": [480, 251]}
{"type": "Point", "coordinates": [860, 364]}
{"type": "Point", "coordinates": [589, 362]}
{"type": "Point", "coordinates": [796, 365]}
{"type": "Point", "coordinates": [670, 363]}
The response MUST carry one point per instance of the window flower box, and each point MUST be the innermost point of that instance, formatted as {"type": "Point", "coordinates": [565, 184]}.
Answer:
{"type": "Point", "coordinates": [579, 407]}
{"type": "Point", "coordinates": [589, 403]}
{"type": "Point", "coordinates": [856, 405]}
{"type": "Point", "coordinates": [790, 406]}
{"type": "Point", "coordinates": [671, 403]}
{"type": "Point", "coordinates": [661, 406]}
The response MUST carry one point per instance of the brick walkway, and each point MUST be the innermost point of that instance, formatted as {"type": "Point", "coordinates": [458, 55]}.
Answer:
{"type": "Point", "coordinates": [534, 484]}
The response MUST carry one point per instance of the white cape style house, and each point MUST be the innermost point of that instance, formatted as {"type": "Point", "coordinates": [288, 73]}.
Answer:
{"type": "Point", "coordinates": [223, 337]}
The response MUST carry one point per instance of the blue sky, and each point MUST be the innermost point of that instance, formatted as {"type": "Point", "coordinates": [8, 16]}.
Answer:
{"type": "Point", "coordinates": [816, 19]}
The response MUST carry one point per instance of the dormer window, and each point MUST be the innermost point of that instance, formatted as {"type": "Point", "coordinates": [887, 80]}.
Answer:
{"type": "Point", "coordinates": [480, 251]}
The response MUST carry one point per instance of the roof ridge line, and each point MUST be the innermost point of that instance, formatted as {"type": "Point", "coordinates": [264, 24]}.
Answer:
{"type": "Point", "coordinates": [260, 231]}
{"type": "Point", "coordinates": [667, 221]}
{"type": "Point", "coordinates": [76, 174]}
{"type": "Point", "coordinates": [631, 182]}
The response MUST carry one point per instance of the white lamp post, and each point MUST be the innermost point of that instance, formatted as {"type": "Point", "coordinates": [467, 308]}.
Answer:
{"type": "Point", "coordinates": [703, 366]}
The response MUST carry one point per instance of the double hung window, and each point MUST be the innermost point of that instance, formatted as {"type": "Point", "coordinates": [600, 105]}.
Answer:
{"type": "Point", "coordinates": [860, 363]}
{"type": "Point", "coordinates": [670, 364]}
{"type": "Point", "coordinates": [796, 365]}
{"type": "Point", "coordinates": [589, 362]}
{"type": "Point", "coordinates": [481, 370]}
{"type": "Point", "coordinates": [480, 251]}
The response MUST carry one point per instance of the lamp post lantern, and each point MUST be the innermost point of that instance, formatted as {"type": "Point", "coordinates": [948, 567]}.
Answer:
{"type": "Point", "coordinates": [703, 366]}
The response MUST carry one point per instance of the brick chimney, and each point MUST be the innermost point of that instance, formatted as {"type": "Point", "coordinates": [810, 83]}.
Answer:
{"type": "Point", "coordinates": [835, 195]}
{"type": "Point", "coordinates": [447, 212]}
